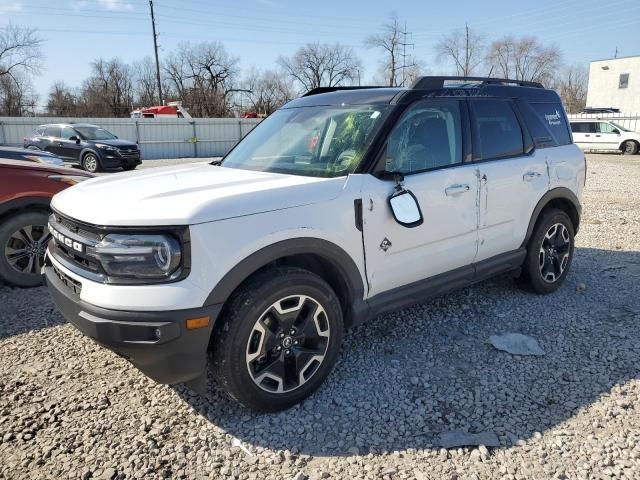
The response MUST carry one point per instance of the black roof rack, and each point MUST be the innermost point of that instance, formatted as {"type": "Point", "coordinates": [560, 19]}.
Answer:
{"type": "Point", "coordinates": [435, 83]}
{"type": "Point", "coordinates": [319, 90]}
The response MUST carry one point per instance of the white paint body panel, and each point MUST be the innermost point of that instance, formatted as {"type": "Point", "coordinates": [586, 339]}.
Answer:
{"type": "Point", "coordinates": [445, 240]}
{"type": "Point", "coordinates": [218, 245]}
{"type": "Point", "coordinates": [509, 191]}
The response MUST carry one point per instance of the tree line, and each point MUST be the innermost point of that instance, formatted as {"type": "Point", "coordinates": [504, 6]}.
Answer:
{"type": "Point", "coordinates": [207, 79]}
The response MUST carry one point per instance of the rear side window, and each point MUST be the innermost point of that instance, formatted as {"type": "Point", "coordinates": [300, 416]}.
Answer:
{"type": "Point", "coordinates": [583, 127]}
{"type": "Point", "coordinates": [552, 117]}
{"type": "Point", "coordinates": [498, 131]}
{"type": "Point", "coordinates": [52, 132]}
{"type": "Point", "coordinates": [39, 131]}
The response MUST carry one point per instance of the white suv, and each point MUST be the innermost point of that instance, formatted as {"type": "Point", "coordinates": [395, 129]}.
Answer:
{"type": "Point", "coordinates": [345, 203]}
{"type": "Point", "coordinates": [594, 134]}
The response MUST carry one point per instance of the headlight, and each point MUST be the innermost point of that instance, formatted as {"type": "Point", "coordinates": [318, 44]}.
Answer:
{"type": "Point", "coordinates": [106, 147]}
{"type": "Point", "coordinates": [69, 179]}
{"type": "Point", "coordinates": [141, 256]}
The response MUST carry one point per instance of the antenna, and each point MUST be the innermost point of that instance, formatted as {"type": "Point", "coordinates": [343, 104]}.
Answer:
{"type": "Point", "coordinates": [155, 48]}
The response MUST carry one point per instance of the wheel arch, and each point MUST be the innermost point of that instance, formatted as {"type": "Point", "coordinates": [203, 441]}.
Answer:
{"type": "Point", "coordinates": [628, 140]}
{"type": "Point", "coordinates": [24, 203]}
{"type": "Point", "coordinates": [561, 198]}
{"type": "Point", "coordinates": [321, 257]}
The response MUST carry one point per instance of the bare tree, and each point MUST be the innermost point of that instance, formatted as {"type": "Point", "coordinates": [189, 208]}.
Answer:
{"type": "Point", "coordinates": [572, 87]}
{"type": "Point", "coordinates": [389, 40]}
{"type": "Point", "coordinates": [62, 101]}
{"type": "Point", "coordinates": [145, 82]}
{"type": "Point", "coordinates": [322, 65]}
{"type": "Point", "coordinates": [523, 59]}
{"type": "Point", "coordinates": [20, 57]}
{"type": "Point", "coordinates": [267, 90]}
{"type": "Point", "coordinates": [202, 76]}
{"type": "Point", "coordinates": [108, 91]}
{"type": "Point", "coordinates": [464, 49]}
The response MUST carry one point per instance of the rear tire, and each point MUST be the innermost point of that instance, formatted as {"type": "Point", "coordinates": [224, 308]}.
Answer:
{"type": "Point", "coordinates": [630, 147]}
{"type": "Point", "coordinates": [90, 162]}
{"type": "Point", "coordinates": [23, 242]}
{"type": "Point", "coordinates": [278, 340]}
{"type": "Point", "coordinates": [549, 253]}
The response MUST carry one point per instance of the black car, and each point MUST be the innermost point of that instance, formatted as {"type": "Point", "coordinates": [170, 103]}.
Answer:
{"type": "Point", "coordinates": [31, 155]}
{"type": "Point", "coordinates": [91, 146]}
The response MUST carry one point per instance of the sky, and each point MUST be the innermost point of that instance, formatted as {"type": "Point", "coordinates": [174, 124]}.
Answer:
{"type": "Point", "coordinates": [257, 32]}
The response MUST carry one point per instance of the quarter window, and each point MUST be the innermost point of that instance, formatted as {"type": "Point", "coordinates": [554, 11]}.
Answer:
{"type": "Point", "coordinates": [583, 127]}
{"type": "Point", "coordinates": [52, 132]}
{"type": "Point", "coordinates": [497, 128]}
{"type": "Point", "coordinates": [428, 136]}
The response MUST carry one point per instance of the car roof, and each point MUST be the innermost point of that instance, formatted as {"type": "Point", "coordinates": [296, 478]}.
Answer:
{"type": "Point", "coordinates": [42, 167]}
{"type": "Point", "coordinates": [583, 120]}
{"type": "Point", "coordinates": [69, 125]}
{"type": "Point", "coordinates": [25, 151]}
{"type": "Point", "coordinates": [427, 87]}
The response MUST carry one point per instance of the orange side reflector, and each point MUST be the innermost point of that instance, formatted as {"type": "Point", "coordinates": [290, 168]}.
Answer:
{"type": "Point", "coordinates": [193, 323]}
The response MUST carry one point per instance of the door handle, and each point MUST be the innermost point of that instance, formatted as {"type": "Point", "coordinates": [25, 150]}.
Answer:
{"type": "Point", "coordinates": [527, 177]}
{"type": "Point", "coordinates": [597, 135]}
{"type": "Point", "coordinates": [59, 144]}
{"type": "Point", "coordinates": [587, 135]}
{"type": "Point", "coordinates": [457, 189]}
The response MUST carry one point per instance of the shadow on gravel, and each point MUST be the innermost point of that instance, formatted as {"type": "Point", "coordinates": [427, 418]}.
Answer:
{"type": "Point", "coordinates": [406, 377]}
{"type": "Point", "coordinates": [26, 309]}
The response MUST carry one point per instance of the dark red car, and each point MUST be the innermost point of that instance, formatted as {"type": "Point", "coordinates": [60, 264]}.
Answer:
{"type": "Point", "coordinates": [25, 193]}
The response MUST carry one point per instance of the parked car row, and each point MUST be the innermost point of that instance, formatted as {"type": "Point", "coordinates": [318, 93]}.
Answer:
{"type": "Point", "coordinates": [593, 134]}
{"type": "Point", "coordinates": [92, 147]}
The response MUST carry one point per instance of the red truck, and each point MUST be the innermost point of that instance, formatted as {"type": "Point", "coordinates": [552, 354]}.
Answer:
{"type": "Point", "coordinates": [25, 193]}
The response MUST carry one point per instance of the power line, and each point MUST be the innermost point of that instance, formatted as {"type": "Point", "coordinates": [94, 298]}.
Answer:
{"type": "Point", "coordinates": [155, 48]}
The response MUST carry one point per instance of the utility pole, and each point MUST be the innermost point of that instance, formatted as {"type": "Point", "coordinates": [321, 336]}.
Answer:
{"type": "Point", "coordinates": [155, 48]}
{"type": "Point", "coordinates": [404, 46]}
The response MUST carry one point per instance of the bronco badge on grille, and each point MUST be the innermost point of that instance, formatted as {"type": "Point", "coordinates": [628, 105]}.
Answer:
{"type": "Point", "coordinates": [66, 241]}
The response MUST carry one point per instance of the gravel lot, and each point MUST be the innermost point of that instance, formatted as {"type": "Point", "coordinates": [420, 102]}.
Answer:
{"type": "Point", "coordinates": [71, 409]}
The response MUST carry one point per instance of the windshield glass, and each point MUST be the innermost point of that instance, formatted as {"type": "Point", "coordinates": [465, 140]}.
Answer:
{"type": "Point", "coordinates": [95, 133]}
{"type": "Point", "coordinates": [309, 141]}
{"type": "Point", "coordinates": [620, 127]}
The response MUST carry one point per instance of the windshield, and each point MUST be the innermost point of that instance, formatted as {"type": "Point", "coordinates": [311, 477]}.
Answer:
{"type": "Point", "coordinates": [95, 133]}
{"type": "Point", "coordinates": [620, 127]}
{"type": "Point", "coordinates": [309, 141]}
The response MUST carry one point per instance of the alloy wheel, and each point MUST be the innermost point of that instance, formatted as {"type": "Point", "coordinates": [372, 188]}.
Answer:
{"type": "Point", "coordinates": [554, 252]}
{"type": "Point", "coordinates": [25, 248]}
{"type": "Point", "coordinates": [90, 163]}
{"type": "Point", "coordinates": [287, 344]}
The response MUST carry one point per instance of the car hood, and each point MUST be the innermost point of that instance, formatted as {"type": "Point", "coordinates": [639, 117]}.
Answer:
{"type": "Point", "coordinates": [188, 194]}
{"type": "Point", "coordinates": [115, 142]}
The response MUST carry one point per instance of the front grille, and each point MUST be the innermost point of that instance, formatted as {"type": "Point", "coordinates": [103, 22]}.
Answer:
{"type": "Point", "coordinates": [70, 241]}
{"type": "Point", "coordinates": [129, 153]}
{"type": "Point", "coordinates": [73, 285]}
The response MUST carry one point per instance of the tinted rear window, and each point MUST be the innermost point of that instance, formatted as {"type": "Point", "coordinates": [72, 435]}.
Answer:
{"type": "Point", "coordinates": [498, 130]}
{"type": "Point", "coordinates": [552, 117]}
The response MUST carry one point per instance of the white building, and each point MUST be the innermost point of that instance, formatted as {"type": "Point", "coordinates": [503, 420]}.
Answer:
{"type": "Point", "coordinates": [615, 82]}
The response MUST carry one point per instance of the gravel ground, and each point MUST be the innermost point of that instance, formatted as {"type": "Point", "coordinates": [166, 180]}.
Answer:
{"type": "Point", "coordinates": [404, 382]}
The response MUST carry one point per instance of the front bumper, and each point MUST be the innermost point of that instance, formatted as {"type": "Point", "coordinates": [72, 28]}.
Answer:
{"type": "Point", "coordinates": [113, 159]}
{"type": "Point", "coordinates": [157, 343]}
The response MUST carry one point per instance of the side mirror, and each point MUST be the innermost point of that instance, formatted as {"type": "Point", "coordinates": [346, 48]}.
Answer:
{"type": "Point", "coordinates": [405, 208]}
{"type": "Point", "coordinates": [75, 139]}
{"type": "Point", "coordinates": [616, 131]}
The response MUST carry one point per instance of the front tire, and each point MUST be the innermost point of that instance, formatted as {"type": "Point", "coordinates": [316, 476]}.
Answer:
{"type": "Point", "coordinates": [549, 253]}
{"type": "Point", "coordinates": [90, 162]}
{"type": "Point", "coordinates": [279, 339]}
{"type": "Point", "coordinates": [630, 147]}
{"type": "Point", "coordinates": [23, 242]}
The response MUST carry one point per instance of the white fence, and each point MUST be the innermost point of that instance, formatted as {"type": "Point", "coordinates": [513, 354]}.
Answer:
{"type": "Point", "coordinates": [157, 137]}
{"type": "Point", "coordinates": [626, 120]}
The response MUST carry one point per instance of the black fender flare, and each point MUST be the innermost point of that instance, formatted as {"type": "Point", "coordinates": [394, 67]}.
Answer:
{"type": "Point", "coordinates": [558, 193]}
{"type": "Point", "coordinates": [340, 260]}
{"type": "Point", "coordinates": [22, 203]}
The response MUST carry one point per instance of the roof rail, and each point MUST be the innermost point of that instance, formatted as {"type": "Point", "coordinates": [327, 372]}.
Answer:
{"type": "Point", "coordinates": [318, 90]}
{"type": "Point", "coordinates": [434, 83]}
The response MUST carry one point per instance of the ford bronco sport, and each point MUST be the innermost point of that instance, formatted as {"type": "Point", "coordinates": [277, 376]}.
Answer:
{"type": "Point", "coordinates": [345, 203]}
